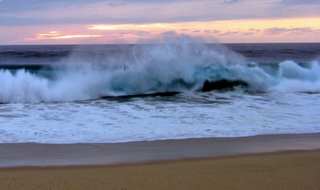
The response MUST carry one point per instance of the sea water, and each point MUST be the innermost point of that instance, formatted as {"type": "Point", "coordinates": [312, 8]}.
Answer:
{"type": "Point", "coordinates": [123, 93]}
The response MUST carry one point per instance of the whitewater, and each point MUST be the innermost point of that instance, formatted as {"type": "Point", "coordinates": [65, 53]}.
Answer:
{"type": "Point", "coordinates": [122, 93]}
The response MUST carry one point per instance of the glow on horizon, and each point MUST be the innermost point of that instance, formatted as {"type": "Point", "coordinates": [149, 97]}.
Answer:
{"type": "Point", "coordinates": [228, 31]}
{"type": "Point", "coordinates": [228, 25]}
{"type": "Point", "coordinates": [247, 29]}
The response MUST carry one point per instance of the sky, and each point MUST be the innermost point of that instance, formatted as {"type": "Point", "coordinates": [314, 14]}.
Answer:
{"type": "Point", "coordinates": [144, 21]}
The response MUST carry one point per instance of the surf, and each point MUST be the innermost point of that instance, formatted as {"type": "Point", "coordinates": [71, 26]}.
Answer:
{"type": "Point", "coordinates": [157, 69]}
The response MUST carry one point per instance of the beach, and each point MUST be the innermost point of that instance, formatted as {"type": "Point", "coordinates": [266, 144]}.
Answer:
{"type": "Point", "coordinates": [159, 94]}
{"type": "Point", "coordinates": [260, 162]}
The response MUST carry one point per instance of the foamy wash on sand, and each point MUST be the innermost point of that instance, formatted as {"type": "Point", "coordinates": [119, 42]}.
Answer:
{"type": "Point", "coordinates": [66, 94]}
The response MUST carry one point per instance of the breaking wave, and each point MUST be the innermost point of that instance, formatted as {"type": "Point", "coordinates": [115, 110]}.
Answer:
{"type": "Point", "coordinates": [149, 69]}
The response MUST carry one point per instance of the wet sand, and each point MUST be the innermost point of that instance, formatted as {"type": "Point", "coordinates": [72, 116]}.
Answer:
{"type": "Point", "coordinates": [262, 162]}
{"type": "Point", "coordinates": [287, 170]}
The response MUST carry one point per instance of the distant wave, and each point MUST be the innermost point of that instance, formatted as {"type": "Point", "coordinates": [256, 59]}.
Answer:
{"type": "Point", "coordinates": [153, 69]}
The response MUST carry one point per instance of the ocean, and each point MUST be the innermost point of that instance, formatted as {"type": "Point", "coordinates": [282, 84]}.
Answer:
{"type": "Point", "coordinates": [62, 94]}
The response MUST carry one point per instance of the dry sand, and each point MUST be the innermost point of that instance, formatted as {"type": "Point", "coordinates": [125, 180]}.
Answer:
{"type": "Point", "coordinates": [210, 164]}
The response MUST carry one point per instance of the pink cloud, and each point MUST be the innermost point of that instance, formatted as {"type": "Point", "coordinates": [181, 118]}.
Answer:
{"type": "Point", "coordinates": [54, 35]}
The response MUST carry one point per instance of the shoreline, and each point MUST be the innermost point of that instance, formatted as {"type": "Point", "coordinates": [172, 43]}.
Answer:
{"type": "Point", "coordinates": [33, 154]}
{"type": "Point", "coordinates": [259, 162]}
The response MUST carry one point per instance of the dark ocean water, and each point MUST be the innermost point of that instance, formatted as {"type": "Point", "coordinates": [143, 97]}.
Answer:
{"type": "Point", "coordinates": [118, 93]}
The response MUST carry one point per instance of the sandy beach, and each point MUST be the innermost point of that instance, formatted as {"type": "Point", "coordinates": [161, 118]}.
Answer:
{"type": "Point", "coordinates": [262, 162]}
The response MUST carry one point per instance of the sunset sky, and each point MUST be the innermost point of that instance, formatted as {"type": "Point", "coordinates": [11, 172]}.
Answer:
{"type": "Point", "coordinates": [138, 21]}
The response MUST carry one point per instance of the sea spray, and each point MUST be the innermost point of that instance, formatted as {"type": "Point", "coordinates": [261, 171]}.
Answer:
{"type": "Point", "coordinates": [295, 78]}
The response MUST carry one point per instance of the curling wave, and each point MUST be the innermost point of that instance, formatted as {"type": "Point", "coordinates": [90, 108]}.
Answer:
{"type": "Point", "coordinates": [153, 69]}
